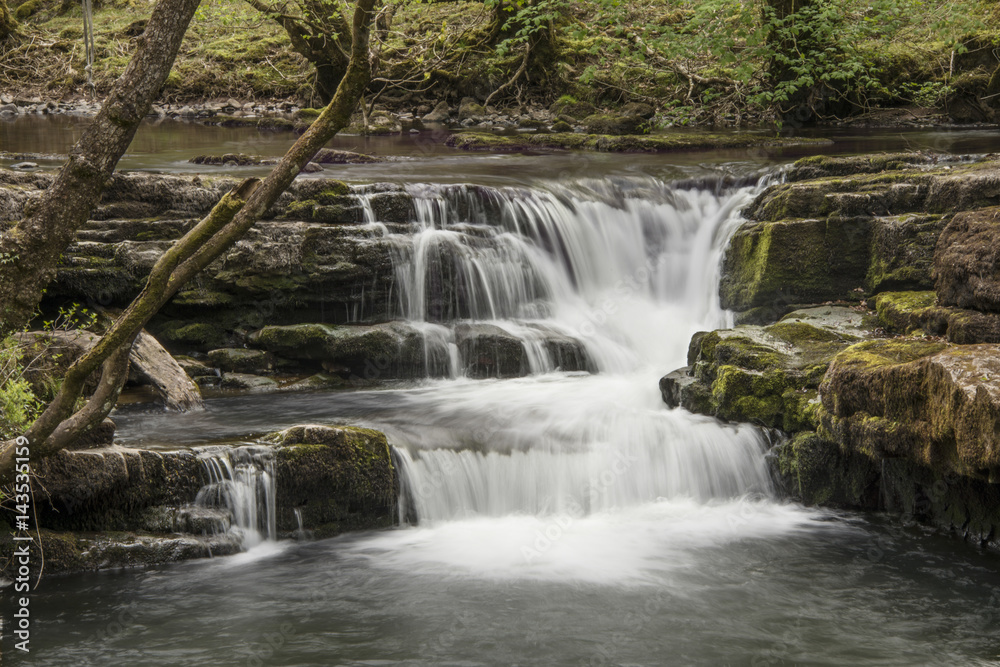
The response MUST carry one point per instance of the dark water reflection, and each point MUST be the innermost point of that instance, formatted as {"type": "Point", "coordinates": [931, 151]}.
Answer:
{"type": "Point", "coordinates": [167, 145]}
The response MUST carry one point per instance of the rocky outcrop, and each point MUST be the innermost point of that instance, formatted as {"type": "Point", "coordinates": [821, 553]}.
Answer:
{"type": "Point", "coordinates": [967, 261]}
{"type": "Point", "coordinates": [920, 313]}
{"type": "Point", "coordinates": [909, 423]}
{"type": "Point", "coordinates": [768, 376]}
{"type": "Point", "coordinates": [925, 402]}
{"type": "Point", "coordinates": [337, 478]}
{"type": "Point", "coordinates": [313, 257]}
{"type": "Point", "coordinates": [841, 235]}
{"type": "Point", "coordinates": [120, 507]}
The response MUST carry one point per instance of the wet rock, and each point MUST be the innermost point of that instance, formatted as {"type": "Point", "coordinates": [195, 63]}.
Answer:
{"type": "Point", "coordinates": [195, 368]}
{"type": "Point", "coordinates": [373, 352]}
{"type": "Point", "coordinates": [241, 360]}
{"type": "Point", "coordinates": [247, 383]}
{"type": "Point", "coordinates": [332, 156]}
{"type": "Point", "coordinates": [66, 552]}
{"type": "Point", "coordinates": [765, 375]}
{"type": "Point", "coordinates": [967, 261]}
{"type": "Point", "coordinates": [338, 478]}
{"type": "Point", "coordinates": [232, 159]}
{"type": "Point", "coordinates": [440, 114]}
{"type": "Point", "coordinates": [927, 402]}
{"type": "Point", "coordinates": [109, 488]}
{"type": "Point", "coordinates": [489, 351]}
{"type": "Point", "coordinates": [24, 165]}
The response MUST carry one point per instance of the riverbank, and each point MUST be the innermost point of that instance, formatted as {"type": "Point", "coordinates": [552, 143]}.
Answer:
{"type": "Point", "coordinates": [934, 67]}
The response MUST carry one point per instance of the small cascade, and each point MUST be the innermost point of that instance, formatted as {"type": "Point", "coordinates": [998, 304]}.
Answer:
{"type": "Point", "coordinates": [548, 267]}
{"type": "Point", "coordinates": [242, 481]}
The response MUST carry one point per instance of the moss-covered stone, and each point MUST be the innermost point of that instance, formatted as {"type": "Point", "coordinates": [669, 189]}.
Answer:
{"type": "Point", "coordinates": [967, 261]}
{"type": "Point", "coordinates": [816, 471]}
{"type": "Point", "coordinates": [241, 360]}
{"type": "Point", "coordinates": [765, 375]}
{"type": "Point", "coordinates": [771, 264]}
{"type": "Point", "coordinates": [923, 401]}
{"type": "Point", "coordinates": [338, 478]}
{"type": "Point", "coordinates": [379, 351]}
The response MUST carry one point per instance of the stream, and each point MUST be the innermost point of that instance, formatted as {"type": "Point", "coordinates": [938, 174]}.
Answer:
{"type": "Point", "coordinates": [563, 518]}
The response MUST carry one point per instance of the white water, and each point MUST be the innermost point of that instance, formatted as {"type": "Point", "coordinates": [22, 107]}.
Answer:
{"type": "Point", "coordinates": [242, 480]}
{"type": "Point", "coordinates": [559, 474]}
{"type": "Point", "coordinates": [625, 269]}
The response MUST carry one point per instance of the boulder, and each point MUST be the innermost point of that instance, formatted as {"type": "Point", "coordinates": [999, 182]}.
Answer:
{"type": "Point", "coordinates": [372, 352]}
{"type": "Point", "coordinates": [470, 109]}
{"type": "Point", "coordinates": [150, 364]}
{"type": "Point", "coordinates": [967, 261]}
{"type": "Point", "coordinates": [927, 402]}
{"type": "Point", "coordinates": [338, 478]}
{"type": "Point", "coordinates": [489, 351]}
{"type": "Point", "coordinates": [765, 375]}
{"type": "Point", "coordinates": [440, 114]}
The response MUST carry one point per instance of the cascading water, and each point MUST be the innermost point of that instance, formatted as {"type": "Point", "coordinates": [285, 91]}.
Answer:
{"type": "Point", "coordinates": [241, 480]}
{"type": "Point", "coordinates": [625, 270]}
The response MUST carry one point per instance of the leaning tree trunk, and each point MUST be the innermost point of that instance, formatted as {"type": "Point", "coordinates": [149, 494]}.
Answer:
{"type": "Point", "coordinates": [228, 221]}
{"type": "Point", "coordinates": [29, 252]}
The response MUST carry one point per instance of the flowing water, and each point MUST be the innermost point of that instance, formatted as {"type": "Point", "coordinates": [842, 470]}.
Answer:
{"type": "Point", "coordinates": [562, 518]}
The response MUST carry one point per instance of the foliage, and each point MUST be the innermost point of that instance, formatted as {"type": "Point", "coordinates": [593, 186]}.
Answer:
{"type": "Point", "coordinates": [18, 405]}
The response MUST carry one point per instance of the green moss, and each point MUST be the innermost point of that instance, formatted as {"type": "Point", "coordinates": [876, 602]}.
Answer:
{"type": "Point", "coordinates": [772, 264]}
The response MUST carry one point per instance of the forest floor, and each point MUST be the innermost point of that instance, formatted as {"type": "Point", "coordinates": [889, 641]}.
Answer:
{"type": "Point", "coordinates": [938, 62]}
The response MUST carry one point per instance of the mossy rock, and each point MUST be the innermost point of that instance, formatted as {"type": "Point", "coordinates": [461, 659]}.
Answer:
{"type": "Point", "coordinates": [934, 404]}
{"type": "Point", "coordinates": [816, 471]}
{"type": "Point", "coordinates": [765, 375]}
{"type": "Point", "coordinates": [967, 261]}
{"type": "Point", "coordinates": [771, 264]}
{"type": "Point", "coordinates": [825, 166]}
{"type": "Point", "coordinates": [339, 478]}
{"type": "Point", "coordinates": [380, 351]}
{"type": "Point", "coordinates": [276, 124]}
{"type": "Point", "coordinates": [241, 360]}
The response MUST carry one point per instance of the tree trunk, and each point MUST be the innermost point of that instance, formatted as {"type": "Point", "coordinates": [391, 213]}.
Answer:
{"type": "Point", "coordinates": [321, 35]}
{"type": "Point", "coordinates": [29, 252]}
{"type": "Point", "coordinates": [228, 221]}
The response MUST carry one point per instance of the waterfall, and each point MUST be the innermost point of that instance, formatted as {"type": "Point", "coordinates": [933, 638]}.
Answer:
{"type": "Point", "coordinates": [242, 481]}
{"type": "Point", "coordinates": [585, 293]}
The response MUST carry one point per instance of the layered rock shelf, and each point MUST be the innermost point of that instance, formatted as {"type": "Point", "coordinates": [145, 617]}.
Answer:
{"type": "Point", "coordinates": [867, 293]}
